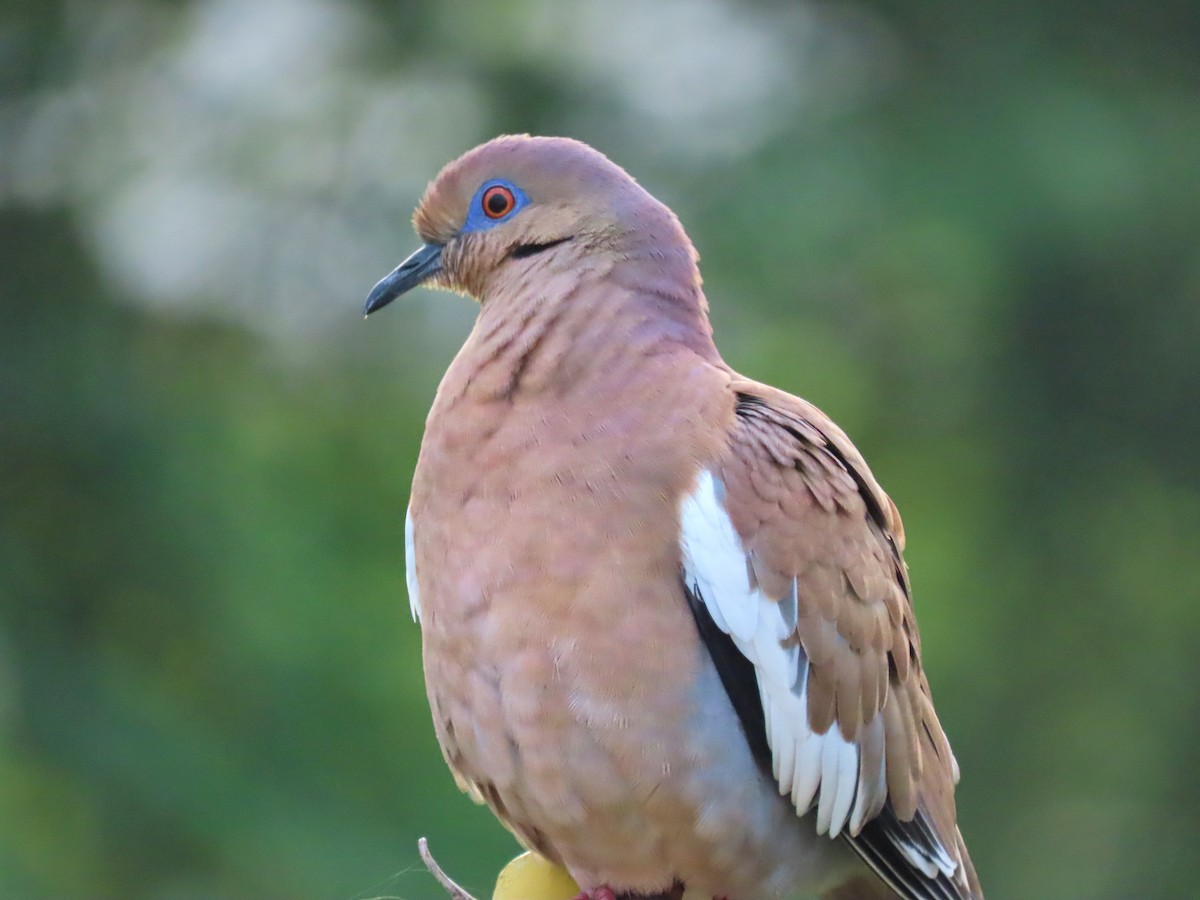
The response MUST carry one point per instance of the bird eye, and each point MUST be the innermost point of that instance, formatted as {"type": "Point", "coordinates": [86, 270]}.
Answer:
{"type": "Point", "coordinates": [497, 202]}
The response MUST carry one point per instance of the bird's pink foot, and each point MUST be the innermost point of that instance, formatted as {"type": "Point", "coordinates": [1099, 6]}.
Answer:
{"type": "Point", "coordinates": [600, 893]}
{"type": "Point", "coordinates": [604, 892]}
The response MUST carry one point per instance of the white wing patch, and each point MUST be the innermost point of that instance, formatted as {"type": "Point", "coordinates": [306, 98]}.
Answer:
{"type": "Point", "coordinates": [410, 567]}
{"type": "Point", "coordinates": [813, 769]}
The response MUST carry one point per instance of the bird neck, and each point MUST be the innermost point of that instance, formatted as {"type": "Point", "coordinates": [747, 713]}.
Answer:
{"type": "Point", "coordinates": [572, 322]}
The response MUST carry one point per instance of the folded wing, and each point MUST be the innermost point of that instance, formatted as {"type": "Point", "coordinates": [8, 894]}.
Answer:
{"type": "Point", "coordinates": [792, 564]}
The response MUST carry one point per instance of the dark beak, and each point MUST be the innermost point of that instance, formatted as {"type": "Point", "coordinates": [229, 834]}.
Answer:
{"type": "Point", "coordinates": [418, 268]}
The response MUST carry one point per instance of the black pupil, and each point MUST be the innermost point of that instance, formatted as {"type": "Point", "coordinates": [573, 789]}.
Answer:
{"type": "Point", "coordinates": [497, 203]}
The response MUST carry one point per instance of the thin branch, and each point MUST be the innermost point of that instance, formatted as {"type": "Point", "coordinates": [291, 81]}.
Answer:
{"type": "Point", "coordinates": [455, 892]}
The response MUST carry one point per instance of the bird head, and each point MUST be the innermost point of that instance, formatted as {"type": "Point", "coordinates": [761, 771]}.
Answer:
{"type": "Point", "coordinates": [489, 212]}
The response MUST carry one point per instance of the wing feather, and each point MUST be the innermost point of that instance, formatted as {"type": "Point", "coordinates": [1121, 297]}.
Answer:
{"type": "Point", "coordinates": [791, 560]}
{"type": "Point", "coordinates": [410, 568]}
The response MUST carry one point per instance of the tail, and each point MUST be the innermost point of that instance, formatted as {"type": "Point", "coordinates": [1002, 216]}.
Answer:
{"type": "Point", "coordinates": [869, 886]}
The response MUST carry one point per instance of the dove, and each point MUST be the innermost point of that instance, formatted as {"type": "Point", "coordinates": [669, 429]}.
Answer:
{"type": "Point", "coordinates": [667, 628]}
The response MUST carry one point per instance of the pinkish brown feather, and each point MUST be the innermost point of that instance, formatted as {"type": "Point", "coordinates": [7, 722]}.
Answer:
{"type": "Point", "coordinates": [560, 657]}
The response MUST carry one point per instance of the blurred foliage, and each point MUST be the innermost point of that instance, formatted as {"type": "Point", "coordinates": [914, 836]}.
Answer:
{"type": "Point", "coordinates": [967, 231]}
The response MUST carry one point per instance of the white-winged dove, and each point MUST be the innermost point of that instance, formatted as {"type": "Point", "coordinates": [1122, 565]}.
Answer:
{"type": "Point", "coordinates": [666, 623]}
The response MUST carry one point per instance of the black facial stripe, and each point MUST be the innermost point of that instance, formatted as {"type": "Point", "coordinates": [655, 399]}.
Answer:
{"type": "Point", "coordinates": [522, 250]}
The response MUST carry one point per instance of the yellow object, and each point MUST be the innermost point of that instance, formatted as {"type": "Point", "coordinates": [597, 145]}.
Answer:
{"type": "Point", "coordinates": [531, 877]}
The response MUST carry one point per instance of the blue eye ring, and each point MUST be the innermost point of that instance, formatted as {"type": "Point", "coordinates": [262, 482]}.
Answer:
{"type": "Point", "coordinates": [496, 201]}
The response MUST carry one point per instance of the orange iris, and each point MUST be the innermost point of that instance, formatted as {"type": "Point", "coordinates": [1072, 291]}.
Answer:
{"type": "Point", "coordinates": [497, 202]}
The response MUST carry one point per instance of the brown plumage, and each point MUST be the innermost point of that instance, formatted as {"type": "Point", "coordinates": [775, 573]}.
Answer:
{"type": "Point", "coordinates": [666, 622]}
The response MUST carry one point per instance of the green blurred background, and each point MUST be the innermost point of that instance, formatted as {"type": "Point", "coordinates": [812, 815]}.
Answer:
{"type": "Point", "coordinates": [970, 232]}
